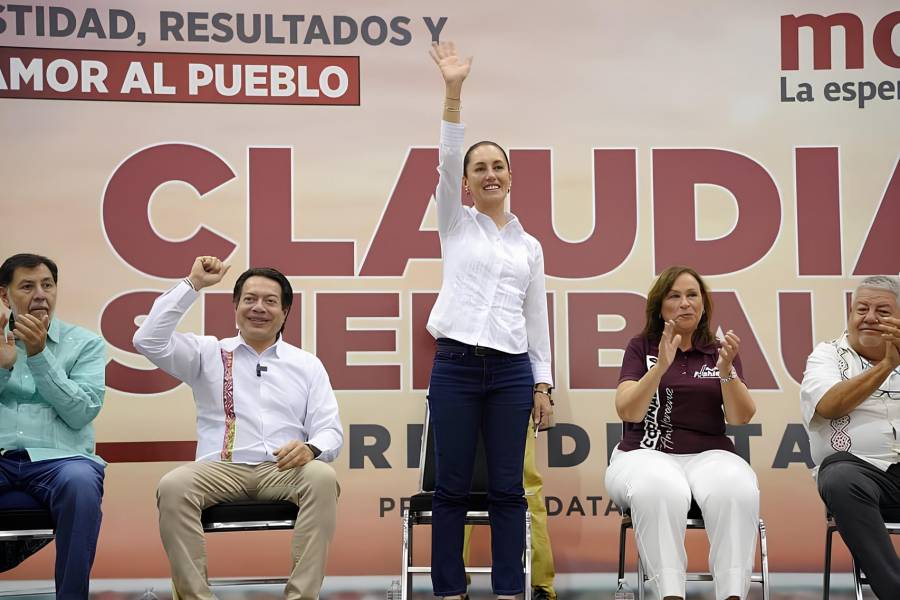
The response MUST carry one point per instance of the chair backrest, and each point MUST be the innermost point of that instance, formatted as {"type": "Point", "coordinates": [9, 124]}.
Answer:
{"type": "Point", "coordinates": [427, 467]}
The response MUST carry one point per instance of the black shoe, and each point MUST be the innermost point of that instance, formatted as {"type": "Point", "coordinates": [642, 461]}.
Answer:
{"type": "Point", "coordinates": [540, 593]}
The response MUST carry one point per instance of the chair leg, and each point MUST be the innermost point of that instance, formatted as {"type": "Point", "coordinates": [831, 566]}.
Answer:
{"type": "Point", "coordinates": [640, 570]}
{"type": "Point", "coordinates": [764, 559]}
{"type": "Point", "coordinates": [623, 531]}
{"type": "Point", "coordinates": [826, 572]}
{"type": "Point", "coordinates": [857, 579]}
{"type": "Point", "coordinates": [406, 576]}
{"type": "Point", "coordinates": [527, 555]}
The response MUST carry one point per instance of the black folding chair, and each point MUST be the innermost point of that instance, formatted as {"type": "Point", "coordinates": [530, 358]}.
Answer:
{"type": "Point", "coordinates": [694, 521]}
{"type": "Point", "coordinates": [419, 512]}
{"type": "Point", "coordinates": [891, 523]}
{"type": "Point", "coordinates": [248, 516]}
{"type": "Point", "coordinates": [26, 526]}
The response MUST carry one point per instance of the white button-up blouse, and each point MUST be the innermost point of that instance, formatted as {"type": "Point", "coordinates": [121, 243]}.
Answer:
{"type": "Point", "coordinates": [493, 292]}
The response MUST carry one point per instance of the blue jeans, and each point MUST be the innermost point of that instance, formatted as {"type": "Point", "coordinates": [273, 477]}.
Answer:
{"type": "Point", "coordinates": [471, 395]}
{"type": "Point", "coordinates": [71, 488]}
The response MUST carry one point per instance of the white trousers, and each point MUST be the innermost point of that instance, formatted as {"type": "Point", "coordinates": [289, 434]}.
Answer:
{"type": "Point", "coordinates": [658, 487]}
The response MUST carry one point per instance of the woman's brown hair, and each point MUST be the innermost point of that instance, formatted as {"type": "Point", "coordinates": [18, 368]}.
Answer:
{"type": "Point", "coordinates": [653, 326]}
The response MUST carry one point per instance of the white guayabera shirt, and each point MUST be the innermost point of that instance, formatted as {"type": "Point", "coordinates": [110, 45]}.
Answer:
{"type": "Point", "coordinates": [868, 431]}
{"type": "Point", "coordinates": [243, 414]}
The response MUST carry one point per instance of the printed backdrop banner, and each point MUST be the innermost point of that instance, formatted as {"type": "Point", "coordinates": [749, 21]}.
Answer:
{"type": "Point", "coordinates": [756, 142]}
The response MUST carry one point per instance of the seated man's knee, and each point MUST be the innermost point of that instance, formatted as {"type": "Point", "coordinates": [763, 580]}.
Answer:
{"type": "Point", "coordinates": [841, 480]}
{"type": "Point", "coordinates": [321, 477]}
{"type": "Point", "coordinates": [81, 478]}
{"type": "Point", "coordinates": [172, 486]}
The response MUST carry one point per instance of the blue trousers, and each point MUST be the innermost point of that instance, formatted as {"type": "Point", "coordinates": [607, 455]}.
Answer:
{"type": "Point", "coordinates": [72, 489]}
{"type": "Point", "coordinates": [471, 395]}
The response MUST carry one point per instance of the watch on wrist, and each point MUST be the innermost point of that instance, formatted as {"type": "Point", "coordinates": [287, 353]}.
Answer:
{"type": "Point", "coordinates": [731, 376]}
{"type": "Point", "coordinates": [548, 392]}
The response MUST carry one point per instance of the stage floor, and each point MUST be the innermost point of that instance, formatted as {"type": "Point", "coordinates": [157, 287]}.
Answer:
{"type": "Point", "coordinates": [784, 586]}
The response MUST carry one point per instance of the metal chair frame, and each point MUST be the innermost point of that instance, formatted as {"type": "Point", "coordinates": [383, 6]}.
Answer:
{"type": "Point", "coordinates": [29, 522]}
{"type": "Point", "coordinates": [217, 524]}
{"type": "Point", "coordinates": [761, 577]}
{"type": "Point", "coordinates": [859, 578]}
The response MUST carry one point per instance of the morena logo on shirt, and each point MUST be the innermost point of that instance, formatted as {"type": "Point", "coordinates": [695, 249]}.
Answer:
{"type": "Point", "coordinates": [707, 372]}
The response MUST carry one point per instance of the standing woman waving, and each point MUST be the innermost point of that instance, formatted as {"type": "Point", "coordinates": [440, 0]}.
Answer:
{"type": "Point", "coordinates": [492, 364]}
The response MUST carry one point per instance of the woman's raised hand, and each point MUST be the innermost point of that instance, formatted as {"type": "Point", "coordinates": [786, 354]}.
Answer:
{"type": "Point", "coordinates": [728, 351]}
{"type": "Point", "coordinates": [453, 69]}
{"type": "Point", "coordinates": [668, 346]}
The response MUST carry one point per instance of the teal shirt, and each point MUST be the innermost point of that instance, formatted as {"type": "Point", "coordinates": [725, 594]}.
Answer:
{"type": "Point", "coordinates": [48, 401]}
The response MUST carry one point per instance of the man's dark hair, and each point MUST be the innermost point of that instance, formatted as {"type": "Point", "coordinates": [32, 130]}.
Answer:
{"type": "Point", "coordinates": [287, 292]}
{"type": "Point", "coordinates": [25, 261]}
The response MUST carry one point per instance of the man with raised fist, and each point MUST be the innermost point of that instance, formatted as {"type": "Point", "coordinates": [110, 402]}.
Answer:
{"type": "Point", "coordinates": [267, 424]}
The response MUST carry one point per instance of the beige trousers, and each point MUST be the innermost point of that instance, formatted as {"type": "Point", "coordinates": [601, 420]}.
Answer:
{"type": "Point", "coordinates": [184, 493]}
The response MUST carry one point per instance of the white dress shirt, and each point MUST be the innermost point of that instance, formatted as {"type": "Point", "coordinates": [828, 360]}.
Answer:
{"type": "Point", "coordinates": [865, 432]}
{"type": "Point", "coordinates": [243, 416]}
{"type": "Point", "coordinates": [492, 292]}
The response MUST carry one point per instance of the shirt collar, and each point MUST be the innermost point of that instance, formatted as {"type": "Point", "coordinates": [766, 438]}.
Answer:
{"type": "Point", "coordinates": [230, 344]}
{"type": "Point", "coordinates": [843, 343]}
{"type": "Point", "coordinates": [53, 330]}
{"type": "Point", "coordinates": [511, 219]}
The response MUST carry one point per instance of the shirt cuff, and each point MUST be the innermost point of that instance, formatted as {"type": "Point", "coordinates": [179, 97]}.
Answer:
{"type": "Point", "coordinates": [452, 134]}
{"type": "Point", "coordinates": [316, 452]}
{"type": "Point", "coordinates": [184, 294]}
{"type": "Point", "coordinates": [542, 373]}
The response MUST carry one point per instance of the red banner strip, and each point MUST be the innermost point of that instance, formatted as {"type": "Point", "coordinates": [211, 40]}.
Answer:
{"type": "Point", "coordinates": [53, 74]}
{"type": "Point", "coordinates": [134, 452]}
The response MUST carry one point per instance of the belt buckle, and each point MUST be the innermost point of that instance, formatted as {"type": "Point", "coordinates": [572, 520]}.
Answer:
{"type": "Point", "coordinates": [480, 351]}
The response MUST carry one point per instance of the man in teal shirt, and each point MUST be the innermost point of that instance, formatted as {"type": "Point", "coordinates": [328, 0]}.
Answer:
{"type": "Point", "coordinates": [51, 389]}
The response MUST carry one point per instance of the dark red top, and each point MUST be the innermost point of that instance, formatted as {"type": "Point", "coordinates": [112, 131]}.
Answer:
{"type": "Point", "coordinates": [686, 414]}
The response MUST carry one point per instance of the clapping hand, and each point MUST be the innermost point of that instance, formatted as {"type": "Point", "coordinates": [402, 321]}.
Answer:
{"type": "Point", "coordinates": [7, 343]}
{"type": "Point", "coordinates": [33, 332]}
{"type": "Point", "coordinates": [727, 353]}
{"type": "Point", "coordinates": [890, 331]}
{"type": "Point", "coordinates": [668, 346]}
